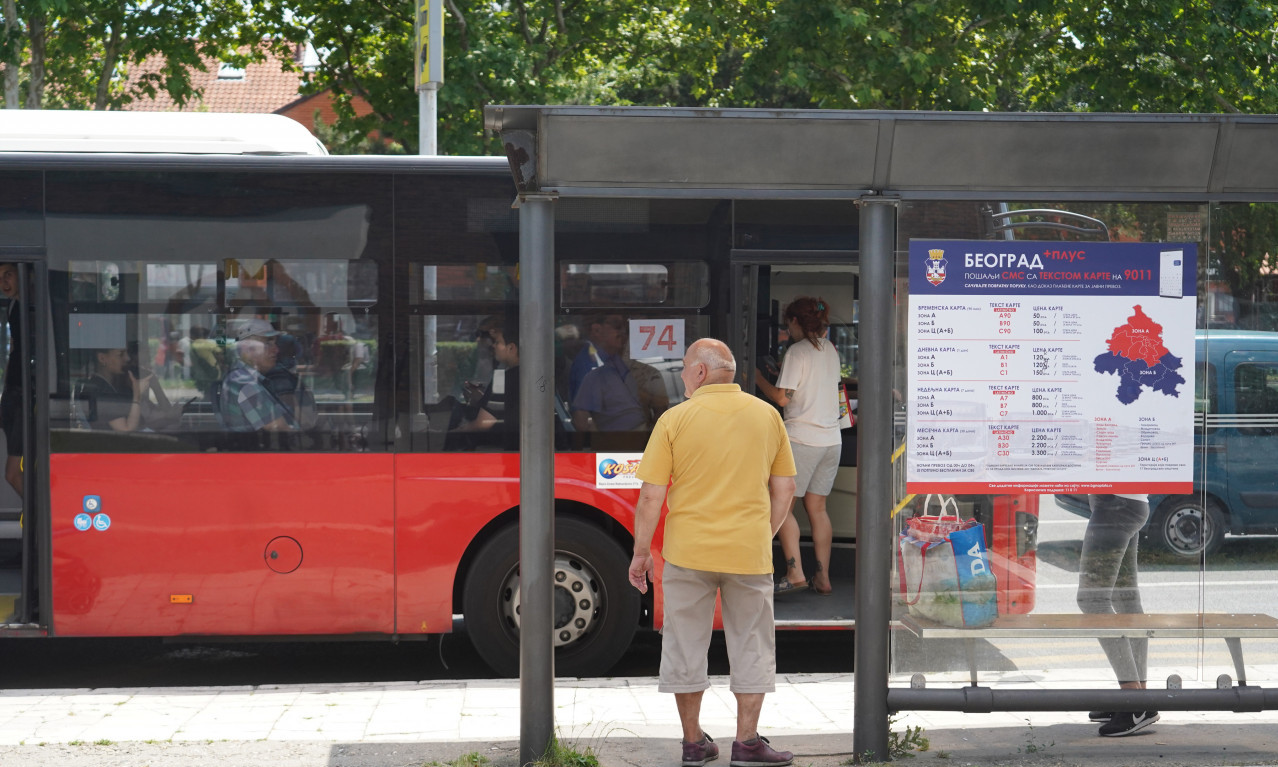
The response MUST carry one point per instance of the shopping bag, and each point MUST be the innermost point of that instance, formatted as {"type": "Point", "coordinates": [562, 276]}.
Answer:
{"type": "Point", "coordinates": [934, 527]}
{"type": "Point", "coordinates": [846, 419]}
{"type": "Point", "coordinates": [949, 580]}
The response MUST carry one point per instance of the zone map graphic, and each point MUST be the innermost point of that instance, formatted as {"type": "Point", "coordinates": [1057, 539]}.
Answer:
{"type": "Point", "coordinates": [1137, 356]}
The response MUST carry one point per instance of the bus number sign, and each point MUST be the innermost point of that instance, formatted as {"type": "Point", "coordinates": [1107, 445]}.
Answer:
{"type": "Point", "coordinates": [656, 338]}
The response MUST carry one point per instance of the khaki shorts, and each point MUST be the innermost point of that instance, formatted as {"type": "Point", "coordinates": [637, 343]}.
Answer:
{"type": "Point", "coordinates": [689, 619]}
{"type": "Point", "coordinates": [817, 468]}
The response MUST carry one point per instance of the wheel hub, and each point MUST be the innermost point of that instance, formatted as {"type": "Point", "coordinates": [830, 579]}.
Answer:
{"type": "Point", "coordinates": [576, 601]}
{"type": "Point", "coordinates": [1186, 529]}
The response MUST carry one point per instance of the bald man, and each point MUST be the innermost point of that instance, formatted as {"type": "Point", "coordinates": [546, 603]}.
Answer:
{"type": "Point", "coordinates": [725, 456]}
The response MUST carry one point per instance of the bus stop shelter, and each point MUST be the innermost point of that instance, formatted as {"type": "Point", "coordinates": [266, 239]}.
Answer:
{"type": "Point", "coordinates": [880, 160]}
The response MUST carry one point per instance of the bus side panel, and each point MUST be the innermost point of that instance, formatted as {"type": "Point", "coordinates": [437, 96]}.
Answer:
{"type": "Point", "coordinates": [445, 499]}
{"type": "Point", "coordinates": [228, 544]}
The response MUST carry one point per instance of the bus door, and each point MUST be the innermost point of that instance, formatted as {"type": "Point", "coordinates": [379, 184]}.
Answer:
{"type": "Point", "coordinates": [763, 283]}
{"type": "Point", "coordinates": [23, 532]}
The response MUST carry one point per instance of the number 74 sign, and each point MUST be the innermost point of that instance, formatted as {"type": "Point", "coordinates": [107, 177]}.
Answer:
{"type": "Point", "coordinates": [656, 338]}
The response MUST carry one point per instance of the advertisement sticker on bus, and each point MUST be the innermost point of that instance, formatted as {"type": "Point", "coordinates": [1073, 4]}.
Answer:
{"type": "Point", "coordinates": [617, 470]}
{"type": "Point", "coordinates": [656, 338]}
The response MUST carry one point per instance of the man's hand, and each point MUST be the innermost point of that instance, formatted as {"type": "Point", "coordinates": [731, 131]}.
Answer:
{"type": "Point", "coordinates": [640, 571]}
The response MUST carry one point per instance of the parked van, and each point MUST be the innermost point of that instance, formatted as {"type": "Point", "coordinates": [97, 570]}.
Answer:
{"type": "Point", "coordinates": [1236, 448]}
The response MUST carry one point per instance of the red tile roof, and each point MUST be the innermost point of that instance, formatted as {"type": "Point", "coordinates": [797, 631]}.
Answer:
{"type": "Point", "coordinates": [265, 87]}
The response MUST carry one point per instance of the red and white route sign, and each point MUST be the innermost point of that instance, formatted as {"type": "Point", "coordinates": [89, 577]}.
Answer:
{"type": "Point", "coordinates": [656, 338]}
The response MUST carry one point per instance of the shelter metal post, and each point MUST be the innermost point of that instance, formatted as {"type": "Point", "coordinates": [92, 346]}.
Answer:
{"type": "Point", "coordinates": [537, 475]}
{"type": "Point", "coordinates": [874, 473]}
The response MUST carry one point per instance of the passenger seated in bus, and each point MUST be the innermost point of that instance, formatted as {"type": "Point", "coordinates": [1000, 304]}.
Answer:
{"type": "Point", "coordinates": [120, 400]}
{"type": "Point", "coordinates": [247, 403]}
{"type": "Point", "coordinates": [484, 409]}
{"type": "Point", "coordinates": [621, 394]}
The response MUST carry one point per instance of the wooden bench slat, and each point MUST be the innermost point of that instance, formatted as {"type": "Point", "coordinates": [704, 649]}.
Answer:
{"type": "Point", "coordinates": [1171, 625]}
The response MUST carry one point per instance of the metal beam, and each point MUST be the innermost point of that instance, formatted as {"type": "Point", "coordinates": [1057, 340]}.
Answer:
{"type": "Point", "coordinates": [873, 478]}
{"type": "Point", "coordinates": [537, 475]}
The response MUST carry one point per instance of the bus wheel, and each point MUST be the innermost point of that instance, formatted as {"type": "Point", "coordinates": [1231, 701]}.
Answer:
{"type": "Point", "coordinates": [1187, 529]}
{"type": "Point", "coordinates": [596, 608]}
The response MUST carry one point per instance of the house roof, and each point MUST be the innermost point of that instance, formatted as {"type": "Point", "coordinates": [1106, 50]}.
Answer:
{"type": "Point", "coordinates": [261, 87]}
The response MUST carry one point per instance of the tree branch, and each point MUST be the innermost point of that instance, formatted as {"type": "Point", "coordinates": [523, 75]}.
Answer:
{"type": "Point", "coordinates": [463, 29]}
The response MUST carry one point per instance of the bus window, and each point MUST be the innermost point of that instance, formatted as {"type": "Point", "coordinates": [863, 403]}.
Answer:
{"type": "Point", "coordinates": [203, 383]}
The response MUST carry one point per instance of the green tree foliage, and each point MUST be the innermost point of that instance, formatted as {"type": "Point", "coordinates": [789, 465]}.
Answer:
{"type": "Point", "coordinates": [75, 53]}
{"type": "Point", "coordinates": [1007, 55]}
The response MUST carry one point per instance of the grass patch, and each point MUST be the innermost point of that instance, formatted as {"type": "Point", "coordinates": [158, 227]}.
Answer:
{"type": "Point", "coordinates": [473, 759]}
{"type": "Point", "coordinates": [566, 755]}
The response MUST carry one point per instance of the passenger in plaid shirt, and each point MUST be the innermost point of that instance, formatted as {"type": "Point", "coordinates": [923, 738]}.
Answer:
{"type": "Point", "coordinates": [247, 404]}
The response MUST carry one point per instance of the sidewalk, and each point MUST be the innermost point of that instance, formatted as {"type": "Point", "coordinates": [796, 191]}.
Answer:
{"type": "Point", "coordinates": [624, 721]}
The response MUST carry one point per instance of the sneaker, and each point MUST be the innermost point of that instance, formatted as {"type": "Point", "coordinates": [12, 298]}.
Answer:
{"type": "Point", "coordinates": [757, 753]}
{"type": "Point", "coordinates": [1100, 716]}
{"type": "Point", "coordinates": [1126, 722]}
{"type": "Point", "coordinates": [697, 754]}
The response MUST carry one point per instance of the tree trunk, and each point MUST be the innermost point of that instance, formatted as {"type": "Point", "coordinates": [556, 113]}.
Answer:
{"type": "Point", "coordinates": [35, 86]}
{"type": "Point", "coordinates": [109, 57]}
{"type": "Point", "coordinates": [11, 70]}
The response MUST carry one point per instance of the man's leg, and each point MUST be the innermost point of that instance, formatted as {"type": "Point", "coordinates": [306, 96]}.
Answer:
{"type": "Point", "coordinates": [685, 639]}
{"type": "Point", "coordinates": [689, 705]}
{"type": "Point", "coordinates": [749, 704]}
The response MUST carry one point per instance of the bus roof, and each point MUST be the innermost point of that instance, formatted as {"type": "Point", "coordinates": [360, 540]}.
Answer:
{"type": "Point", "coordinates": [41, 130]}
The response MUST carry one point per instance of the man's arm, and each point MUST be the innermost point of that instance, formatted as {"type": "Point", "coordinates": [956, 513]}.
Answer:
{"type": "Point", "coordinates": [647, 515]}
{"type": "Point", "coordinates": [781, 492]}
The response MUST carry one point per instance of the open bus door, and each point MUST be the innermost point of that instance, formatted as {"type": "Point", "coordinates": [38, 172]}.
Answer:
{"type": "Point", "coordinates": [763, 282]}
{"type": "Point", "coordinates": [23, 526]}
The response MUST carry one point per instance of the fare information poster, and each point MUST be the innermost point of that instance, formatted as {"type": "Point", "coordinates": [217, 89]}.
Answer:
{"type": "Point", "coordinates": [1051, 367]}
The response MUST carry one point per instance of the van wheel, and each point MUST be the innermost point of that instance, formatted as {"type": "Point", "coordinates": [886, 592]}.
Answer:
{"type": "Point", "coordinates": [596, 608]}
{"type": "Point", "coordinates": [1184, 528]}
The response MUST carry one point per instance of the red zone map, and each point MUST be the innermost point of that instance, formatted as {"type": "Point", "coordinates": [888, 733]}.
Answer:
{"type": "Point", "coordinates": [1137, 356]}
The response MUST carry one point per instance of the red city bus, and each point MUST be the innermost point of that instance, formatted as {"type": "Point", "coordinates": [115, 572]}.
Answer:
{"type": "Point", "coordinates": [366, 484]}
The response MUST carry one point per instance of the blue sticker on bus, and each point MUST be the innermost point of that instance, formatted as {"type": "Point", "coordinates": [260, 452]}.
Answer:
{"type": "Point", "coordinates": [83, 522]}
{"type": "Point", "coordinates": [92, 503]}
{"type": "Point", "coordinates": [101, 521]}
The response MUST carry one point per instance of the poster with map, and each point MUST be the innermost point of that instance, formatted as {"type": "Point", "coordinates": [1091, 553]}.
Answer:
{"type": "Point", "coordinates": [1050, 367]}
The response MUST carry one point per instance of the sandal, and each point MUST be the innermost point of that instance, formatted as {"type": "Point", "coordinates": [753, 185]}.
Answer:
{"type": "Point", "coordinates": [784, 586]}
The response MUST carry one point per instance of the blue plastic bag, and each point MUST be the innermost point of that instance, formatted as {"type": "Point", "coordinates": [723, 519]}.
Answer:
{"type": "Point", "coordinates": [949, 581]}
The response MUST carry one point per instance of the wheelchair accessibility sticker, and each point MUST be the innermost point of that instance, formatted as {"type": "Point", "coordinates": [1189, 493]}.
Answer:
{"type": "Point", "coordinates": [101, 522]}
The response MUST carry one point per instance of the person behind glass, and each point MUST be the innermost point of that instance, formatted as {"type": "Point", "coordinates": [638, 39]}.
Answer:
{"type": "Point", "coordinates": [621, 394]}
{"type": "Point", "coordinates": [11, 400]}
{"type": "Point", "coordinates": [118, 399]}
{"type": "Point", "coordinates": [1107, 583]}
{"type": "Point", "coordinates": [502, 338]}
{"type": "Point", "coordinates": [248, 404]}
{"type": "Point", "coordinates": [808, 390]}
{"type": "Point", "coordinates": [726, 459]}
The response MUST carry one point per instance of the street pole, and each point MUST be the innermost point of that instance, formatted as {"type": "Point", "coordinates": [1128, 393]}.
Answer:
{"type": "Point", "coordinates": [536, 475]}
{"type": "Point", "coordinates": [874, 480]}
{"type": "Point", "coordinates": [428, 71]}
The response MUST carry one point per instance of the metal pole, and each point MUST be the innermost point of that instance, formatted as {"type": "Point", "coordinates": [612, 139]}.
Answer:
{"type": "Point", "coordinates": [537, 475]}
{"type": "Point", "coordinates": [983, 700]}
{"type": "Point", "coordinates": [874, 478]}
{"type": "Point", "coordinates": [427, 113]}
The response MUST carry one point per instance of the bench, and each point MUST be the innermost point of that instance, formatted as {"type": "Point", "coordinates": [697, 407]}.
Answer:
{"type": "Point", "coordinates": [1232, 627]}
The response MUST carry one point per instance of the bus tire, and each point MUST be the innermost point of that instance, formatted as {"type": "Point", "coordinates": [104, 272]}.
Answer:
{"type": "Point", "coordinates": [1186, 529]}
{"type": "Point", "coordinates": [596, 609]}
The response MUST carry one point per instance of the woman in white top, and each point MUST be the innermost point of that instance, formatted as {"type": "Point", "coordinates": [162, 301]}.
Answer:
{"type": "Point", "coordinates": [808, 390]}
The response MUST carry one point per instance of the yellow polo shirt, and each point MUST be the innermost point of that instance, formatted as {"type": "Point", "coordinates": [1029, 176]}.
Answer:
{"type": "Point", "coordinates": [717, 451]}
